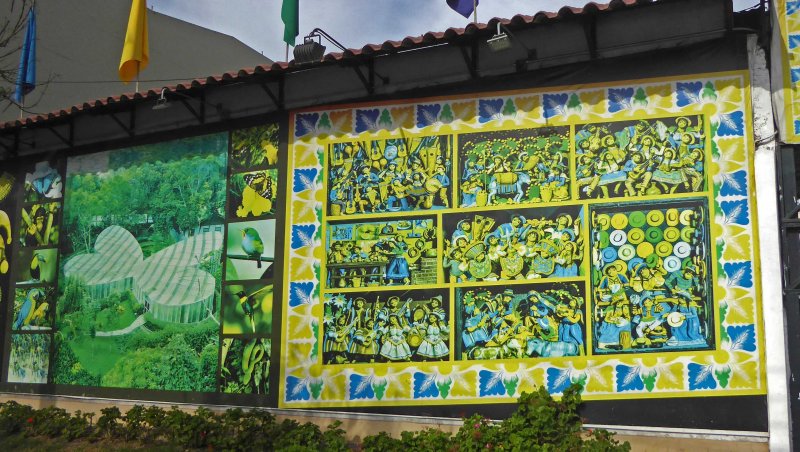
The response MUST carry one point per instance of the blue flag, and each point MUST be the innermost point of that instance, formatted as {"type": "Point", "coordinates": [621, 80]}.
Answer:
{"type": "Point", "coordinates": [463, 7]}
{"type": "Point", "coordinates": [26, 75]}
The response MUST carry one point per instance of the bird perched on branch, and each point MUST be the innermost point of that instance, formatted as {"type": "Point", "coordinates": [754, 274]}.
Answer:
{"type": "Point", "coordinates": [252, 244]}
{"type": "Point", "coordinates": [25, 314]}
{"type": "Point", "coordinates": [36, 265]}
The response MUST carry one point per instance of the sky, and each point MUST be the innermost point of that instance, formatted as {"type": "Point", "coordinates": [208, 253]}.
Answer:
{"type": "Point", "coordinates": [257, 23]}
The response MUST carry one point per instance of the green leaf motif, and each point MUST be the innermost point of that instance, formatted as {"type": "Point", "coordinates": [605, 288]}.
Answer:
{"type": "Point", "coordinates": [509, 109]}
{"type": "Point", "coordinates": [446, 116]}
{"type": "Point", "coordinates": [649, 381]}
{"type": "Point", "coordinates": [444, 388]}
{"type": "Point", "coordinates": [316, 389]}
{"type": "Point", "coordinates": [380, 389]}
{"type": "Point", "coordinates": [709, 93]}
{"type": "Point", "coordinates": [574, 102]}
{"type": "Point", "coordinates": [640, 98]}
{"type": "Point", "coordinates": [386, 119]}
{"type": "Point", "coordinates": [723, 376]}
{"type": "Point", "coordinates": [324, 122]}
{"type": "Point", "coordinates": [511, 385]}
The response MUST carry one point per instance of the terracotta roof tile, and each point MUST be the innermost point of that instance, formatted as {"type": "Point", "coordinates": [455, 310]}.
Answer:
{"type": "Point", "coordinates": [389, 46]}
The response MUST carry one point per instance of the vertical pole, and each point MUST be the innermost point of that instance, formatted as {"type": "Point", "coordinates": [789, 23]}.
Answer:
{"type": "Point", "coordinates": [137, 76]}
{"type": "Point", "coordinates": [475, 11]}
{"type": "Point", "coordinates": [286, 58]}
{"type": "Point", "coordinates": [21, 106]}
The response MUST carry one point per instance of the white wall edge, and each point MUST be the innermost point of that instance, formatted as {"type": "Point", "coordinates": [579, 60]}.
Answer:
{"type": "Point", "coordinates": [766, 182]}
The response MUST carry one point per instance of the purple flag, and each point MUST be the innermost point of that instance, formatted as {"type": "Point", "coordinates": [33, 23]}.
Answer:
{"type": "Point", "coordinates": [26, 75]}
{"type": "Point", "coordinates": [463, 7]}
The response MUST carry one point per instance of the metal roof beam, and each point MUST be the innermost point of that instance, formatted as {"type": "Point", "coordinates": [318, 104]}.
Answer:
{"type": "Point", "coordinates": [130, 128]}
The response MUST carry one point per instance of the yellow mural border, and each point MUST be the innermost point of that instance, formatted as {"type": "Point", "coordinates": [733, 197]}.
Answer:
{"type": "Point", "coordinates": [711, 356]}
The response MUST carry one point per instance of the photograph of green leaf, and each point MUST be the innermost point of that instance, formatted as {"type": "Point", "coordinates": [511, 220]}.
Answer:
{"type": "Point", "coordinates": [245, 366]}
{"type": "Point", "coordinates": [140, 290]}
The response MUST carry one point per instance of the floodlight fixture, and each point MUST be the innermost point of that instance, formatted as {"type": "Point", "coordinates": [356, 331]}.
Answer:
{"type": "Point", "coordinates": [500, 42]}
{"type": "Point", "coordinates": [161, 103]}
{"type": "Point", "coordinates": [312, 50]}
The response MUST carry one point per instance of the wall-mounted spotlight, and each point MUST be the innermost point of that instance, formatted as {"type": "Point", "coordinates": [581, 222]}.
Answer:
{"type": "Point", "coordinates": [161, 103]}
{"type": "Point", "coordinates": [499, 42]}
{"type": "Point", "coordinates": [311, 50]}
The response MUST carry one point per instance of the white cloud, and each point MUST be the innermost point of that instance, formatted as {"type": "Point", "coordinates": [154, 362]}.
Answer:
{"type": "Point", "coordinates": [354, 23]}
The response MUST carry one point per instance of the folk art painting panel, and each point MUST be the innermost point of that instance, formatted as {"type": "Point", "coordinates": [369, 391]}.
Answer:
{"type": "Point", "coordinates": [466, 249]}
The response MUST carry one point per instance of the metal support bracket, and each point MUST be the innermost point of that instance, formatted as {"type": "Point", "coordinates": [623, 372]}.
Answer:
{"type": "Point", "coordinates": [590, 32]}
{"type": "Point", "coordinates": [277, 99]}
{"type": "Point", "coordinates": [130, 128]}
{"type": "Point", "coordinates": [470, 58]}
{"type": "Point", "coordinates": [69, 139]}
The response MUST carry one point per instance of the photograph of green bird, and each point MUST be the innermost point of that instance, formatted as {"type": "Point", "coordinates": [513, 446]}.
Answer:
{"type": "Point", "coordinates": [36, 266]}
{"type": "Point", "coordinates": [252, 244]}
{"type": "Point", "coordinates": [250, 250]}
{"type": "Point", "coordinates": [247, 308]}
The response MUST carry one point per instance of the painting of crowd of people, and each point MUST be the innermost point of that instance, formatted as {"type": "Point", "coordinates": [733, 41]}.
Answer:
{"type": "Point", "coordinates": [544, 320]}
{"type": "Point", "coordinates": [514, 167]}
{"type": "Point", "coordinates": [640, 158]}
{"type": "Point", "coordinates": [514, 245]}
{"type": "Point", "coordinates": [383, 253]}
{"type": "Point", "coordinates": [391, 175]}
{"type": "Point", "coordinates": [386, 327]}
{"type": "Point", "coordinates": [650, 273]}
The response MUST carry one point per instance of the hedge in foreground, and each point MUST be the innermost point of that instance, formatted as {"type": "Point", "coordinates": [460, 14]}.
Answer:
{"type": "Point", "coordinates": [539, 423]}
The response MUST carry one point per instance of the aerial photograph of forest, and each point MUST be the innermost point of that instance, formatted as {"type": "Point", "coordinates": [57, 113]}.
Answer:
{"type": "Point", "coordinates": [141, 253]}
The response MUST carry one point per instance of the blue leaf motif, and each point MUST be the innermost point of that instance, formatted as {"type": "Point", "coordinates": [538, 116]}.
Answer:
{"type": "Point", "coordinates": [794, 41]}
{"type": "Point", "coordinates": [734, 184]}
{"type": "Point", "coordinates": [425, 386]}
{"type": "Point", "coordinates": [489, 109]}
{"type": "Point", "coordinates": [300, 293]}
{"type": "Point", "coordinates": [701, 377]}
{"type": "Point", "coordinates": [557, 380]}
{"type": "Point", "coordinates": [490, 384]}
{"type": "Point", "coordinates": [554, 104]}
{"type": "Point", "coordinates": [303, 235]}
{"type": "Point", "coordinates": [619, 99]}
{"type": "Point", "coordinates": [797, 127]}
{"type": "Point", "coordinates": [792, 6]}
{"type": "Point", "coordinates": [367, 120]}
{"type": "Point", "coordinates": [743, 337]}
{"type": "Point", "coordinates": [731, 124]}
{"type": "Point", "coordinates": [304, 179]}
{"type": "Point", "coordinates": [629, 379]}
{"type": "Point", "coordinates": [361, 387]}
{"type": "Point", "coordinates": [689, 93]}
{"type": "Point", "coordinates": [296, 389]}
{"type": "Point", "coordinates": [427, 114]}
{"type": "Point", "coordinates": [735, 212]}
{"type": "Point", "coordinates": [795, 74]}
{"type": "Point", "coordinates": [305, 123]}
{"type": "Point", "coordinates": [740, 274]}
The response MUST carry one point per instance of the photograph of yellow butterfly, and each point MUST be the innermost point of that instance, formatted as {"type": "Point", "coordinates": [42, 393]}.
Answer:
{"type": "Point", "coordinates": [141, 286]}
{"type": "Point", "coordinates": [247, 308]}
{"type": "Point", "coordinates": [253, 194]}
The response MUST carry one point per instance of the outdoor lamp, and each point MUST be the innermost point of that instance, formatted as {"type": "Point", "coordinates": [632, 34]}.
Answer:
{"type": "Point", "coordinates": [161, 103]}
{"type": "Point", "coordinates": [311, 51]}
{"type": "Point", "coordinates": [499, 42]}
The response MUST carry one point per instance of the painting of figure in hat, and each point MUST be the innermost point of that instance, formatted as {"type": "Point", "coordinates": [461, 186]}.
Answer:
{"type": "Point", "coordinates": [650, 277]}
{"type": "Point", "coordinates": [527, 244]}
{"type": "Point", "coordinates": [514, 167]}
{"type": "Point", "coordinates": [519, 322]}
{"type": "Point", "coordinates": [393, 175]}
{"type": "Point", "coordinates": [640, 158]}
{"type": "Point", "coordinates": [382, 253]}
{"type": "Point", "coordinates": [394, 326]}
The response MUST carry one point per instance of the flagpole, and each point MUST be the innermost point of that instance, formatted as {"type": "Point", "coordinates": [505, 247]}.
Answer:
{"type": "Point", "coordinates": [475, 11]}
{"type": "Point", "coordinates": [286, 58]}
{"type": "Point", "coordinates": [137, 76]}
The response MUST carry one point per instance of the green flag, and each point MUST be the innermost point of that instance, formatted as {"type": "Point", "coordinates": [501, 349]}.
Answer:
{"type": "Point", "coordinates": [290, 13]}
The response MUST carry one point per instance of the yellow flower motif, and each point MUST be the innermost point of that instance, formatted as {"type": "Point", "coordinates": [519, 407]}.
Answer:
{"type": "Point", "coordinates": [464, 111]}
{"type": "Point", "coordinates": [334, 387]}
{"type": "Point", "coordinates": [659, 98]}
{"type": "Point", "coordinates": [399, 387]}
{"type": "Point", "coordinates": [793, 23]}
{"type": "Point", "coordinates": [737, 242]}
{"type": "Point", "coordinates": [465, 384]}
{"type": "Point", "coordinates": [304, 211]}
{"type": "Point", "coordinates": [305, 154]}
{"type": "Point", "coordinates": [301, 268]}
{"type": "Point", "coordinates": [740, 310]}
{"type": "Point", "coordinates": [341, 121]}
{"type": "Point", "coordinates": [732, 154]}
{"type": "Point", "coordinates": [670, 376]}
{"type": "Point", "coordinates": [593, 104]}
{"type": "Point", "coordinates": [744, 375]}
{"type": "Point", "coordinates": [723, 292]}
{"type": "Point", "coordinates": [729, 90]}
{"type": "Point", "coordinates": [300, 352]}
{"type": "Point", "coordinates": [601, 379]}
{"type": "Point", "coordinates": [530, 379]}
{"type": "Point", "coordinates": [403, 117]}
{"type": "Point", "coordinates": [529, 106]}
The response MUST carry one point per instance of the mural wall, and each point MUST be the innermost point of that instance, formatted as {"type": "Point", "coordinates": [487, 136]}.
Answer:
{"type": "Point", "coordinates": [466, 249]}
{"type": "Point", "coordinates": [164, 275]}
{"type": "Point", "coordinates": [786, 54]}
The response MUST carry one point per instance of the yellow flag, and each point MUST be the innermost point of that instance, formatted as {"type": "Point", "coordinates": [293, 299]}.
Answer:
{"type": "Point", "coordinates": [135, 53]}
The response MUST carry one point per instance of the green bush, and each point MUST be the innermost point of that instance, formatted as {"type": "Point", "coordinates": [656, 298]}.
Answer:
{"type": "Point", "coordinates": [540, 423]}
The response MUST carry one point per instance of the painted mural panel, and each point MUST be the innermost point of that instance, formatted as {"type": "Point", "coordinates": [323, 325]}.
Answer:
{"type": "Point", "coordinates": [597, 234]}
{"type": "Point", "coordinates": [787, 54]}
